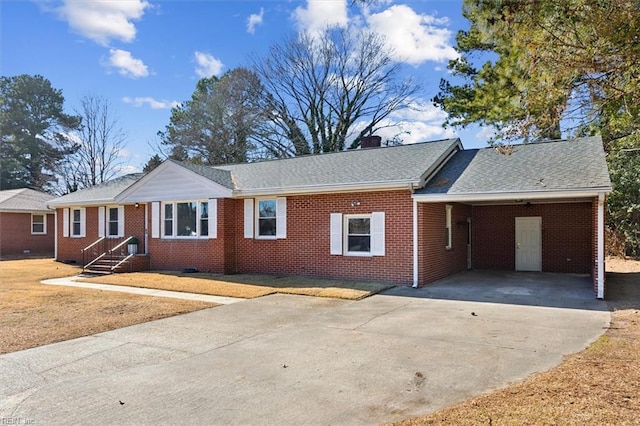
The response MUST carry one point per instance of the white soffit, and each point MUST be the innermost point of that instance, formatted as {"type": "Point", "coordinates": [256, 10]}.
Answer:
{"type": "Point", "coordinates": [169, 182]}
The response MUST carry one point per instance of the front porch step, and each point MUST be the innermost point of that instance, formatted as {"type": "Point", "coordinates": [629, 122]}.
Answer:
{"type": "Point", "coordinates": [103, 266]}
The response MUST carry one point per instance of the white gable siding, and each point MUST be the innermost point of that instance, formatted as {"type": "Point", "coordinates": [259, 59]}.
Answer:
{"type": "Point", "coordinates": [175, 183]}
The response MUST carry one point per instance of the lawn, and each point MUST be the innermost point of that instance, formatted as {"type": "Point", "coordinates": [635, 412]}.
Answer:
{"type": "Point", "coordinates": [600, 385]}
{"type": "Point", "coordinates": [243, 285]}
{"type": "Point", "coordinates": [33, 314]}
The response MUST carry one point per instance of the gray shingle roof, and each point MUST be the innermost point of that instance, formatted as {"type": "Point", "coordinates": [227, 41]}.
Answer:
{"type": "Point", "coordinates": [223, 177]}
{"type": "Point", "coordinates": [104, 192]}
{"type": "Point", "coordinates": [404, 163]}
{"type": "Point", "coordinates": [567, 165]}
{"type": "Point", "coordinates": [24, 199]}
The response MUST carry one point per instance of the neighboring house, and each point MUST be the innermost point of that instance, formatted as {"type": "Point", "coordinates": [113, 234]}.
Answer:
{"type": "Point", "coordinates": [27, 226]}
{"type": "Point", "coordinates": [408, 215]}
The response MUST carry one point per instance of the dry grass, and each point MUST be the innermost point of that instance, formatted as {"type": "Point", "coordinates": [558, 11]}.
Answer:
{"type": "Point", "coordinates": [600, 385]}
{"type": "Point", "coordinates": [243, 285]}
{"type": "Point", "coordinates": [32, 314]}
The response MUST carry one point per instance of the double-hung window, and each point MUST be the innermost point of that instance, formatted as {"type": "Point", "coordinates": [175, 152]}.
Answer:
{"type": "Point", "coordinates": [38, 224]}
{"type": "Point", "coordinates": [73, 222]}
{"type": "Point", "coordinates": [76, 222]}
{"type": "Point", "coordinates": [265, 218]}
{"type": "Point", "coordinates": [357, 234]}
{"type": "Point", "coordinates": [186, 219]}
{"type": "Point", "coordinates": [113, 223]}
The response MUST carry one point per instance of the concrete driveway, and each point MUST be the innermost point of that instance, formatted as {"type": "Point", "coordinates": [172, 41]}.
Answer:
{"type": "Point", "coordinates": [301, 360]}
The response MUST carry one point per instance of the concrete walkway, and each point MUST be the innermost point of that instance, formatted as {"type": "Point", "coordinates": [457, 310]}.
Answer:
{"type": "Point", "coordinates": [73, 282]}
{"type": "Point", "coordinates": [294, 360]}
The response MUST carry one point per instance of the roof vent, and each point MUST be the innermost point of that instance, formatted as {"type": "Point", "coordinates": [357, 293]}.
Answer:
{"type": "Point", "coordinates": [371, 141]}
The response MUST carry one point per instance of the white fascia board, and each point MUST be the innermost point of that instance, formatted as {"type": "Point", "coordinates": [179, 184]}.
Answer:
{"type": "Point", "coordinates": [435, 168]}
{"type": "Point", "coordinates": [49, 211]}
{"type": "Point", "coordinates": [505, 196]}
{"type": "Point", "coordinates": [88, 203]}
{"type": "Point", "coordinates": [332, 189]}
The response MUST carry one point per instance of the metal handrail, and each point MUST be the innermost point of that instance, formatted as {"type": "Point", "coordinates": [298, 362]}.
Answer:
{"type": "Point", "coordinates": [114, 267]}
{"type": "Point", "coordinates": [120, 245]}
{"type": "Point", "coordinates": [93, 244]}
{"type": "Point", "coordinates": [94, 261]}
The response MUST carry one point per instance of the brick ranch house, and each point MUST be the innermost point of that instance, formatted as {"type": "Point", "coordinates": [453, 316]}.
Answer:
{"type": "Point", "coordinates": [408, 215]}
{"type": "Point", "coordinates": [27, 226]}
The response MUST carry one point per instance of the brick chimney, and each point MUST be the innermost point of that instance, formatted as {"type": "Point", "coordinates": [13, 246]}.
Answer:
{"type": "Point", "coordinates": [371, 141]}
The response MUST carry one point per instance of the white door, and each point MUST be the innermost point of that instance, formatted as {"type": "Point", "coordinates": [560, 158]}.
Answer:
{"type": "Point", "coordinates": [528, 244]}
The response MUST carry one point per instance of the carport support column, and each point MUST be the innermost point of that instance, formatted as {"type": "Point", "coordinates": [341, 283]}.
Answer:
{"type": "Point", "coordinates": [600, 248]}
{"type": "Point", "coordinates": [415, 244]}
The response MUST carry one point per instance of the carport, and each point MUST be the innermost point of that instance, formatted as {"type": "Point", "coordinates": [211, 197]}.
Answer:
{"type": "Point", "coordinates": [531, 208]}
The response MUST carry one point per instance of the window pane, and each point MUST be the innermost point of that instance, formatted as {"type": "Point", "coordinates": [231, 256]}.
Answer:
{"type": "Point", "coordinates": [76, 228]}
{"type": "Point", "coordinates": [359, 226]}
{"type": "Point", "coordinates": [267, 208]}
{"type": "Point", "coordinates": [359, 234]}
{"type": "Point", "coordinates": [168, 211]}
{"type": "Point", "coordinates": [113, 222]}
{"type": "Point", "coordinates": [204, 219]}
{"type": "Point", "coordinates": [76, 215]}
{"type": "Point", "coordinates": [359, 243]}
{"type": "Point", "coordinates": [186, 213]}
{"type": "Point", "coordinates": [37, 224]}
{"type": "Point", "coordinates": [267, 227]}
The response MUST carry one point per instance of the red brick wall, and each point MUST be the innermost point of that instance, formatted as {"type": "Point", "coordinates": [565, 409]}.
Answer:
{"type": "Point", "coordinates": [16, 237]}
{"type": "Point", "coordinates": [435, 261]}
{"type": "Point", "coordinates": [70, 248]}
{"type": "Point", "coordinates": [306, 250]}
{"type": "Point", "coordinates": [567, 236]}
{"type": "Point", "coordinates": [206, 255]}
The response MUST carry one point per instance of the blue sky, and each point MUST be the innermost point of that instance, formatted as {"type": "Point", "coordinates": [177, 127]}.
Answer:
{"type": "Point", "coordinates": [145, 56]}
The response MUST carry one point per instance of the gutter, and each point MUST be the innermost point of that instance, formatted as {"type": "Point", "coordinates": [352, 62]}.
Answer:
{"type": "Point", "coordinates": [508, 196]}
{"type": "Point", "coordinates": [324, 189]}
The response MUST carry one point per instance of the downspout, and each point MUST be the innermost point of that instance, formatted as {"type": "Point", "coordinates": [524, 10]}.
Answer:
{"type": "Point", "coordinates": [146, 228]}
{"type": "Point", "coordinates": [600, 248]}
{"type": "Point", "coordinates": [55, 234]}
{"type": "Point", "coordinates": [415, 244]}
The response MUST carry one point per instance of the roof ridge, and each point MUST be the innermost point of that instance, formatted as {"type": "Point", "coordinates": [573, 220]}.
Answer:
{"type": "Point", "coordinates": [324, 154]}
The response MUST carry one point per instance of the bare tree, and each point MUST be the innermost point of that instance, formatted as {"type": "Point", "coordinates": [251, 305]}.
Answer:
{"type": "Point", "coordinates": [321, 85]}
{"type": "Point", "coordinates": [100, 141]}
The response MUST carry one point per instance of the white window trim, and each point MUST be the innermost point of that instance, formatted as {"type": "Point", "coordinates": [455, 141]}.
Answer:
{"type": "Point", "coordinates": [254, 219]}
{"type": "Point", "coordinates": [175, 218]}
{"type": "Point", "coordinates": [338, 240]}
{"type": "Point", "coordinates": [44, 224]}
{"type": "Point", "coordinates": [83, 222]}
{"type": "Point", "coordinates": [345, 236]}
{"type": "Point", "coordinates": [448, 209]}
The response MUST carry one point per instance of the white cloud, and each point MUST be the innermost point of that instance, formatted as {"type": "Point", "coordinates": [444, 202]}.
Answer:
{"type": "Point", "coordinates": [414, 38]}
{"type": "Point", "coordinates": [126, 64]}
{"type": "Point", "coordinates": [151, 102]}
{"type": "Point", "coordinates": [103, 20]}
{"type": "Point", "coordinates": [254, 20]}
{"type": "Point", "coordinates": [320, 14]}
{"type": "Point", "coordinates": [486, 133]}
{"type": "Point", "coordinates": [207, 65]}
{"type": "Point", "coordinates": [420, 123]}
